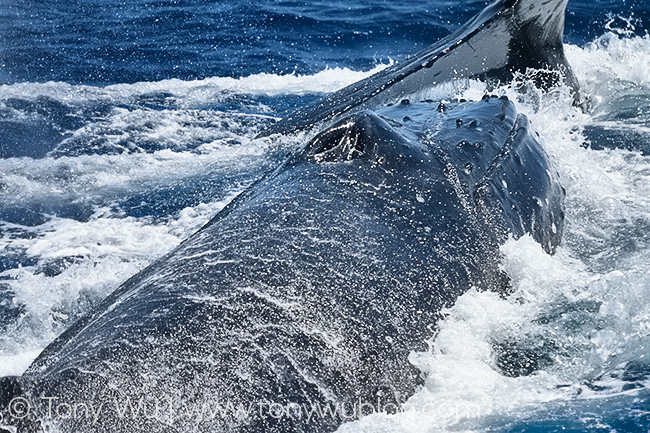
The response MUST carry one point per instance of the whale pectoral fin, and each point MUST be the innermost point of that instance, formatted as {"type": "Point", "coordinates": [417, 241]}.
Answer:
{"type": "Point", "coordinates": [506, 38]}
{"type": "Point", "coordinates": [522, 191]}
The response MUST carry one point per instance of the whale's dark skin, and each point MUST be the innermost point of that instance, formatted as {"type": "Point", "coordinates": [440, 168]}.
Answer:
{"type": "Point", "coordinates": [315, 284]}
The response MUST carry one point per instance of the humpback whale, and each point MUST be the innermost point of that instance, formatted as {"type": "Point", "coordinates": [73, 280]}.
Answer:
{"type": "Point", "coordinates": [297, 306]}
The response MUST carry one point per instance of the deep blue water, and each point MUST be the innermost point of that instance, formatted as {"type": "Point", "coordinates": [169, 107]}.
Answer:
{"type": "Point", "coordinates": [110, 41]}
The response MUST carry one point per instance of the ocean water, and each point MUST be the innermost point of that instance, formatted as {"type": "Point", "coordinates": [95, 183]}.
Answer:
{"type": "Point", "coordinates": [124, 126]}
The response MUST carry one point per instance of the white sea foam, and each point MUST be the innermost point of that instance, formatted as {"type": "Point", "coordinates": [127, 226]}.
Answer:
{"type": "Point", "coordinates": [193, 93]}
{"type": "Point", "coordinates": [612, 56]}
{"type": "Point", "coordinates": [109, 175]}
